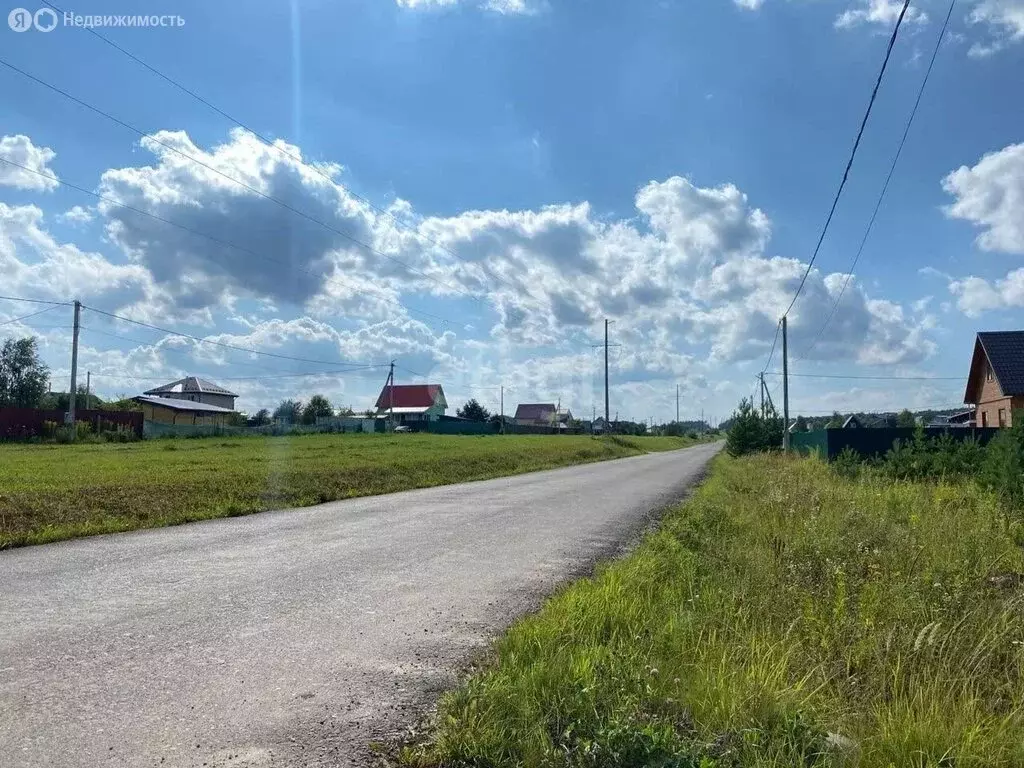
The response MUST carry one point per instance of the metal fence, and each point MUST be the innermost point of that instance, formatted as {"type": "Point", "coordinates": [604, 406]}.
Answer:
{"type": "Point", "coordinates": [27, 423]}
{"type": "Point", "coordinates": [829, 443]}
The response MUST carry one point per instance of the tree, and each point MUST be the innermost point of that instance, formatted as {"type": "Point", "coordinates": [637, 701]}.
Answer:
{"type": "Point", "coordinates": [261, 418]}
{"type": "Point", "coordinates": [346, 413]}
{"type": "Point", "coordinates": [749, 431]}
{"type": "Point", "coordinates": [289, 412]}
{"type": "Point", "coordinates": [801, 424]}
{"type": "Point", "coordinates": [61, 401]}
{"type": "Point", "coordinates": [836, 422]}
{"type": "Point", "coordinates": [317, 407]}
{"type": "Point", "coordinates": [906, 419]}
{"type": "Point", "coordinates": [23, 375]}
{"type": "Point", "coordinates": [473, 411]}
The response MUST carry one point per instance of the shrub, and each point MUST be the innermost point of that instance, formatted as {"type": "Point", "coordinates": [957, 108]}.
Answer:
{"type": "Point", "coordinates": [1002, 469]}
{"type": "Point", "coordinates": [751, 432]}
{"type": "Point", "coordinates": [848, 463]}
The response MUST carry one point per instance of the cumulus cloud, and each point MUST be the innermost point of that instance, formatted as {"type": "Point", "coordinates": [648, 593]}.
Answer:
{"type": "Point", "coordinates": [990, 195]}
{"type": "Point", "coordinates": [34, 173]}
{"type": "Point", "coordinates": [1004, 19]}
{"type": "Point", "coordinates": [975, 295]}
{"type": "Point", "coordinates": [76, 215]}
{"type": "Point", "coordinates": [879, 12]}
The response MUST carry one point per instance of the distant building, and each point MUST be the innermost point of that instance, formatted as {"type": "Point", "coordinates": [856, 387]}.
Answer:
{"type": "Point", "coordinates": [995, 383]}
{"type": "Point", "coordinates": [542, 415]}
{"type": "Point", "coordinates": [412, 402]}
{"type": "Point", "coordinates": [171, 410]}
{"type": "Point", "coordinates": [196, 390]}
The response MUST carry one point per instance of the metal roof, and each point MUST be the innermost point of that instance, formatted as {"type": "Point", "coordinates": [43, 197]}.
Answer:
{"type": "Point", "coordinates": [176, 404]}
{"type": "Point", "coordinates": [412, 396]}
{"type": "Point", "coordinates": [535, 411]}
{"type": "Point", "coordinates": [1005, 352]}
{"type": "Point", "coordinates": [192, 384]}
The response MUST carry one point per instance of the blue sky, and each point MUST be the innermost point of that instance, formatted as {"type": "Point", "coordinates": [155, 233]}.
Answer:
{"type": "Point", "coordinates": [522, 169]}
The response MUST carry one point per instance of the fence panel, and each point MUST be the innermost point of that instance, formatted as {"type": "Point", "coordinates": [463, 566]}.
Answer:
{"type": "Point", "coordinates": [877, 442]}
{"type": "Point", "coordinates": [24, 423]}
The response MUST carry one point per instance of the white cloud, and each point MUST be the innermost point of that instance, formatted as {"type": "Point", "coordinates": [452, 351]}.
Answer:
{"type": "Point", "coordinates": [879, 12]}
{"type": "Point", "coordinates": [990, 195]}
{"type": "Point", "coordinates": [76, 215]}
{"type": "Point", "coordinates": [34, 161]}
{"type": "Point", "coordinates": [750, 5]}
{"type": "Point", "coordinates": [1005, 21]}
{"type": "Point", "coordinates": [976, 295]}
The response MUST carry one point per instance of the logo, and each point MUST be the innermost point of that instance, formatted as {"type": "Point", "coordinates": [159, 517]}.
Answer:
{"type": "Point", "coordinates": [22, 20]}
{"type": "Point", "coordinates": [19, 20]}
{"type": "Point", "coordinates": [45, 19]}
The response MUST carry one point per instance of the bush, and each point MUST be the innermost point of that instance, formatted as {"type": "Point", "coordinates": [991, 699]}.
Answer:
{"type": "Point", "coordinates": [751, 432]}
{"type": "Point", "coordinates": [1002, 469]}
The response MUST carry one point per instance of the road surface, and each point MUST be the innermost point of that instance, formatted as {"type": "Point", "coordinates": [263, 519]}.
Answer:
{"type": "Point", "coordinates": [293, 638]}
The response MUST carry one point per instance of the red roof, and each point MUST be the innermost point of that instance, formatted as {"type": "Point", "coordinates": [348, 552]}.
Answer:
{"type": "Point", "coordinates": [409, 396]}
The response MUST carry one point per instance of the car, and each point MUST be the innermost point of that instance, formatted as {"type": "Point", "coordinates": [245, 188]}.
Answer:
{"type": "Point", "coordinates": [403, 428]}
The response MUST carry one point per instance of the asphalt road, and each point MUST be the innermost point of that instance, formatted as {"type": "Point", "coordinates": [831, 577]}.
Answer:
{"type": "Point", "coordinates": [293, 638]}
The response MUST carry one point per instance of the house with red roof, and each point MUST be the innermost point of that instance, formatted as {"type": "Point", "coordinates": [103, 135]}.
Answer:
{"type": "Point", "coordinates": [412, 402]}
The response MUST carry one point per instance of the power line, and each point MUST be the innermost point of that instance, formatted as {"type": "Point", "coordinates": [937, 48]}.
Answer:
{"type": "Point", "coordinates": [778, 327]}
{"type": "Point", "coordinates": [222, 343]}
{"type": "Point", "coordinates": [26, 317]}
{"type": "Point", "coordinates": [213, 239]}
{"type": "Point", "coordinates": [885, 186]}
{"type": "Point", "coordinates": [37, 301]}
{"type": "Point", "coordinates": [308, 374]}
{"type": "Point", "coordinates": [853, 154]}
{"type": "Point", "coordinates": [272, 144]}
{"type": "Point", "coordinates": [241, 183]}
{"type": "Point", "coordinates": [872, 378]}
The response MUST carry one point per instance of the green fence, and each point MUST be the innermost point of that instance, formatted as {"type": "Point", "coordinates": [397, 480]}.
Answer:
{"type": "Point", "coordinates": [829, 443]}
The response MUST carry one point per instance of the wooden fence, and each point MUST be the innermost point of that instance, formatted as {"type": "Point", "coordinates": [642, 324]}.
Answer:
{"type": "Point", "coordinates": [25, 423]}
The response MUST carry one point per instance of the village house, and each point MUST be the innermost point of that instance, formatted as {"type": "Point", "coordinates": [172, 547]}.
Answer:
{"type": "Point", "coordinates": [196, 390]}
{"type": "Point", "coordinates": [995, 385]}
{"type": "Point", "coordinates": [412, 402]}
{"type": "Point", "coordinates": [189, 401]}
{"type": "Point", "coordinates": [542, 415]}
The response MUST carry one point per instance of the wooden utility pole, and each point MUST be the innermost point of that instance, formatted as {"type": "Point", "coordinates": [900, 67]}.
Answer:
{"type": "Point", "coordinates": [88, 388]}
{"type": "Point", "coordinates": [785, 386]}
{"type": "Point", "coordinates": [502, 422]}
{"type": "Point", "coordinates": [70, 416]}
{"type": "Point", "coordinates": [677, 404]}
{"type": "Point", "coordinates": [761, 377]}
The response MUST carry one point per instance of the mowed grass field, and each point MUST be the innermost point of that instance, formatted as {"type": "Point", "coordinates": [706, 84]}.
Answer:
{"type": "Point", "coordinates": [784, 616]}
{"type": "Point", "coordinates": [52, 492]}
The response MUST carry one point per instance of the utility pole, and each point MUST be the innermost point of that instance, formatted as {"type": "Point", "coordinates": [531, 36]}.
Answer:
{"type": "Point", "coordinates": [70, 417]}
{"type": "Point", "coordinates": [391, 396]}
{"type": "Point", "coordinates": [606, 412]}
{"type": "Point", "coordinates": [677, 405]}
{"type": "Point", "coordinates": [88, 387]}
{"type": "Point", "coordinates": [502, 422]}
{"type": "Point", "coordinates": [761, 377]}
{"type": "Point", "coordinates": [785, 387]}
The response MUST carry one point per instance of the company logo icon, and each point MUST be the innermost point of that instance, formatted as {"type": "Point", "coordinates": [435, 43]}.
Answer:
{"type": "Point", "coordinates": [45, 19]}
{"type": "Point", "coordinates": [20, 20]}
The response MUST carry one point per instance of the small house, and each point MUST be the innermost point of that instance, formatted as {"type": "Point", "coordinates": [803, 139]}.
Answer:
{"type": "Point", "coordinates": [412, 402]}
{"type": "Point", "coordinates": [995, 383]}
{"type": "Point", "coordinates": [196, 390]}
{"type": "Point", "coordinates": [543, 415]}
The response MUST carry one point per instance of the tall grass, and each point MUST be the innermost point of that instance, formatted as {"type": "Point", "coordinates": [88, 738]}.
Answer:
{"type": "Point", "coordinates": [784, 616]}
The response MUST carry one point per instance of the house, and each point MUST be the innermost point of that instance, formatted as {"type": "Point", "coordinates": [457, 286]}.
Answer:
{"type": "Point", "coordinates": [542, 415]}
{"type": "Point", "coordinates": [958, 419]}
{"type": "Point", "coordinates": [995, 384]}
{"type": "Point", "coordinates": [853, 422]}
{"type": "Point", "coordinates": [175, 410]}
{"type": "Point", "coordinates": [412, 402]}
{"type": "Point", "coordinates": [196, 390]}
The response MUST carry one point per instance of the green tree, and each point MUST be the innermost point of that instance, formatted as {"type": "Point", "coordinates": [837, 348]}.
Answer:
{"type": "Point", "coordinates": [23, 375]}
{"type": "Point", "coordinates": [317, 407]}
{"type": "Point", "coordinates": [346, 413]}
{"type": "Point", "coordinates": [801, 424]}
{"type": "Point", "coordinates": [261, 418]}
{"type": "Point", "coordinates": [906, 419]}
{"type": "Point", "coordinates": [836, 421]}
{"type": "Point", "coordinates": [289, 412]}
{"type": "Point", "coordinates": [473, 411]}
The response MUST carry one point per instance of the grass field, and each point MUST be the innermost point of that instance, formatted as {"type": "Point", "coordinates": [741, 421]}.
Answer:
{"type": "Point", "coordinates": [782, 617]}
{"type": "Point", "coordinates": [52, 492]}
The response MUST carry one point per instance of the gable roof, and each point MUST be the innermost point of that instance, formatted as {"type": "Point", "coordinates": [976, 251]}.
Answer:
{"type": "Point", "coordinates": [190, 384]}
{"type": "Point", "coordinates": [535, 411]}
{"type": "Point", "coordinates": [177, 404]}
{"type": "Point", "coordinates": [411, 396]}
{"type": "Point", "coordinates": [1004, 351]}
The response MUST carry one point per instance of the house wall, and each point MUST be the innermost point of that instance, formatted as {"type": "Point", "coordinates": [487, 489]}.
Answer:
{"type": "Point", "coordinates": [163, 415]}
{"type": "Point", "coordinates": [991, 400]}
{"type": "Point", "coordinates": [221, 401]}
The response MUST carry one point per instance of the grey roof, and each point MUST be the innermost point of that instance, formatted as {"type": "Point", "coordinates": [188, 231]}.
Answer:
{"type": "Point", "coordinates": [1005, 352]}
{"type": "Point", "coordinates": [177, 404]}
{"type": "Point", "coordinates": [190, 384]}
{"type": "Point", "coordinates": [535, 411]}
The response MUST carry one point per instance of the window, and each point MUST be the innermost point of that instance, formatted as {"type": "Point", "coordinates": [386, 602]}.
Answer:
{"type": "Point", "coordinates": [988, 372]}
{"type": "Point", "coordinates": [984, 419]}
{"type": "Point", "coordinates": [1002, 417]}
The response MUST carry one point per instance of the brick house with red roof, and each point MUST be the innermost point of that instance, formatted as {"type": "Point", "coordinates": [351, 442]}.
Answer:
{"type": "Point", "coordinates": [412, 402]}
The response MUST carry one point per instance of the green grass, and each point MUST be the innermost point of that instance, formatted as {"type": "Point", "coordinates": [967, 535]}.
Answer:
{"type": "Point", "coordinates": [53, 492]}
{"type": "Point", "coordinates": [781, 604]}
